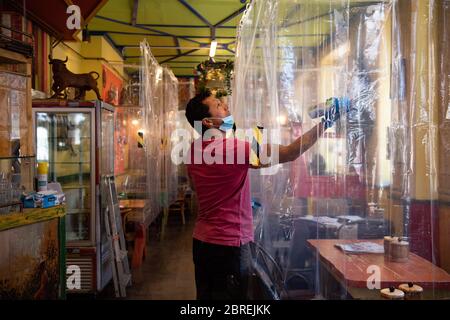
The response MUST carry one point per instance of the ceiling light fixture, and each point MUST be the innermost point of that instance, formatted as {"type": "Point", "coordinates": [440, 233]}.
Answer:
{"type": "Point", "coordinates": [212, 50]}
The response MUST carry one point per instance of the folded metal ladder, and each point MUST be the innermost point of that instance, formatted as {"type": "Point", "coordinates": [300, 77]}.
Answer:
{"type": "Point", "coordinates": [115, 234]}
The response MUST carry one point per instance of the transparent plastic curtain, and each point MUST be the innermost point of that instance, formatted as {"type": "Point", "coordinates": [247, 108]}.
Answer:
{"type": "Point", "coordinates": [375, 172]}
{"type": "Point", "coordinates": [152, 99]}
{"type": "Point", "coordinates": [130, 157]}
{"type": "Point", "coordinates": [169, 126]}
{"type": "Point", "coordinates": [186, 91]}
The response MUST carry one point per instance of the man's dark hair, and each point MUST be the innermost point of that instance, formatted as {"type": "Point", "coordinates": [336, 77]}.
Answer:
{"type": "Point", "coordinates": [196, 110]}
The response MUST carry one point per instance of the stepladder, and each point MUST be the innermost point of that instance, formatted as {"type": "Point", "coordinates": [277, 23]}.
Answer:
{"type": "Point", "coordinates": [115, 235]}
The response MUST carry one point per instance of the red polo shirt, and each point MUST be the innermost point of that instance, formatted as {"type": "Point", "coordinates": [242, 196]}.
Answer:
{"type": "Point", "coordinates": [219, 173]}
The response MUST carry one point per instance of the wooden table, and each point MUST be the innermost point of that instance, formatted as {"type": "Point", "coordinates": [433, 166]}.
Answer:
{"type": "Point", "coordinates": [133, 211]}
{"type": "Point", "coordinates": [136, 208]}
{"type": "Point", "coordinates": [133, 203]}
{"type": "Point", "coordinates": [351, 270]}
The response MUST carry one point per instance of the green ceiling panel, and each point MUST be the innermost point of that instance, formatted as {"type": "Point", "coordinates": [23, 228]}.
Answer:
{"type": "Point", "coordinates": [132, 52]}
{"type": "Point", "coordinates": [98, 24]}
{"type": "Point", "coordinates": [165, 12]}
{"type": "Point", "coordinates": [226, 32]}
{"type": "Point", "coordinates": [216, 10]}
{"type": "Point", "coordinates": [187, 44]}
{"type": "Point", "coordinates": [200, 51]}
{"type": "Point", "coordinates": [182, 65]}
{"type": "Point", "coordinates": [304, 18]}
{"type": "Point", "coordinates": [160, 52]}
{"type": "Point", "coordinates": [165, 17]}
{"type": "Point", "coordinates": [191, 58]}
{"type": "Point", "coordinates": [118, 9]}
{"type": "Point", "coordinates": [206, 53]}
{"type": "Point", "coordinates": [219, 40]}
{"type": "Point", "coordinates": [183, 71]}
{"type": "Point", "coordinates": [196, 32]}
{"type": "Point", "coordinates": [234, 22]}
{"type": "Point", "coordinates": [133, 60]}
{"type": "Point", "coordinates": [123, 40]}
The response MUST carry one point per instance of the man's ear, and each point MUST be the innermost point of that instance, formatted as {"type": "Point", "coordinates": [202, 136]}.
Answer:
{"type": "Point", "coordinates": [207, 123]}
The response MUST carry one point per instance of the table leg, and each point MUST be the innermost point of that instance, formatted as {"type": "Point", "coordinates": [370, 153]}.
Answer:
{"type": "Point", "coordinates": [164, 222]}
{"type": "Point", "coordinates": [139, 246]}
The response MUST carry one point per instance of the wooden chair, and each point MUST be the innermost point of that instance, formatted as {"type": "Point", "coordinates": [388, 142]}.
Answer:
{"type": "Point", "coordinates": [179, 206]}
{"type": "Point", "coordinates": [190, 200]}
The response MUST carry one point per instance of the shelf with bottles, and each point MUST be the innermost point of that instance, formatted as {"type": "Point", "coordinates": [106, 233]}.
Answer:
{"type": "Point", "coordinates": [16, 177]}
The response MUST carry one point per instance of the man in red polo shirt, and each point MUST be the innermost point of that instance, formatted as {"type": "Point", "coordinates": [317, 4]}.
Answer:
{"type": "Point", "coordinates": [218, 169]}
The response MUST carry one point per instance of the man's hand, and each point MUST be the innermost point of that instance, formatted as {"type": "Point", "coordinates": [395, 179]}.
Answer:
{"type": "Point", "coordinates": [333, 113]}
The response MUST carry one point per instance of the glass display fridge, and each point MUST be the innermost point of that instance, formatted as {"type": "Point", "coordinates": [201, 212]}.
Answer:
{"type": "Point", "coordinates": [77, 141]}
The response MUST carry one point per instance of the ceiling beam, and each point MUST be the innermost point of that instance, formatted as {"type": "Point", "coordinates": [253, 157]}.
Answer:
{"type": "Point", "coordinates": [231, 16]}
{"type": "Point", "coordinates": [184, 54]}
{"type": "Point", "coordinates": [134, 12]}
{"type": "Point", "coordinates": [184, 37]}
{"type": "Point", "coordinates": [187, 62]}
{"type": "Point", "coordinates": [229, 50]}
{"type": "Point", "coordinates": [195, 12]}
{"type": "Point", "coordinates": [194, 37]}
{"type": "Point", "coordinates": [162, 33]}
{"type": "Point", "coordinates": [177, 44]}
{"type": "Point", "coordinates": [96, 32]}
{"type": "Point", "coordinates": [173, 67]}
{"type": "Point", "coordinates": [101, 32]}
{"type": "Point", "coordinates": [179, 55]}
{"type": "Point", "coordinates": [195, 55]}
{"type": "Point", "coordinates": [183, 26]}
{"type": "Point", "coordinates": [203, 47]}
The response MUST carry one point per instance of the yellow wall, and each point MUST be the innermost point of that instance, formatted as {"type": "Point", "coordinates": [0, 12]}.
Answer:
{"type": "Point", "coordinates": [425, 121]}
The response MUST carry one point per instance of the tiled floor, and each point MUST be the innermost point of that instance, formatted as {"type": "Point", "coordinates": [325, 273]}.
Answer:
{"type": "Point", "coordinates": [168, 271]}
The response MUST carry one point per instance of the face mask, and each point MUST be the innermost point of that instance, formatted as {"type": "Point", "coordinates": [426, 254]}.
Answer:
{"type": "Point", "coordinates": [227, 123]}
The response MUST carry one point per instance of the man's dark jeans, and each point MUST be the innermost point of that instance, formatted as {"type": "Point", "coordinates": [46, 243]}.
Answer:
{"type": "Point", "coordinates": [221, 272]}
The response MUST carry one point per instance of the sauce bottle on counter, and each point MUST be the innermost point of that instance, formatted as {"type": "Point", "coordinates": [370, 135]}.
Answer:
{"type": "Point", "coordinates": [42, 176]}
